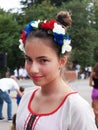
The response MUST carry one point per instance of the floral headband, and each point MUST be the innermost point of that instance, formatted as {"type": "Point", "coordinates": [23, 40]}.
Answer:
{"type": "Point", "coordinates": [52, 27]}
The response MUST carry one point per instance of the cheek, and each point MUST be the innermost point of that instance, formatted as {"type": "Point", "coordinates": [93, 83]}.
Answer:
{"type": "Point", "coordinates": [45, 70]}
{"type": "Point", "coordinates": [50, 69]}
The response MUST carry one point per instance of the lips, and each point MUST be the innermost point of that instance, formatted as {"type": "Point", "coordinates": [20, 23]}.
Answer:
{"type": "Point", "coordinates": [36, 77]}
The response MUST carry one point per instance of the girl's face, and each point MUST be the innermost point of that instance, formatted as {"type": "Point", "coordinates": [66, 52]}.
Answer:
{"type": "Point", "coordinates": [42, 62]}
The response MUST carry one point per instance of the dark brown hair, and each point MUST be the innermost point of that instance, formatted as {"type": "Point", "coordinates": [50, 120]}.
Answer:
{"type": "Point", "coordinates": [64, 18]}
{"type": "Point", "coordinates": [21, 88]}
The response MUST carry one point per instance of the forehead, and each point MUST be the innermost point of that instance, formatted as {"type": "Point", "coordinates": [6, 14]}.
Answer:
{"type": "Point", "coordinates": [39, 46]}
{"type": "Point", "coordinates": [38, 42]}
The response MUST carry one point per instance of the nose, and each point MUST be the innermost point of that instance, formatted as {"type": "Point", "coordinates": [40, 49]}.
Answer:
{"type": "Point", "coordinates": [34, 68]}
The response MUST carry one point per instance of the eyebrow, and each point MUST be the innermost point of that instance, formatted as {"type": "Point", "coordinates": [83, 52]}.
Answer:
{"type": "Point", "coordinates": [26, 56]}
{"type": "Point", "coordinates": [40, 57]}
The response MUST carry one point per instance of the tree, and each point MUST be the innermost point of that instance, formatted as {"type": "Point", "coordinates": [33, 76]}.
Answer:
{"type": "Point", "coordinates": [9, 35]}
{"type": "Point", "coordinates": [29, 3]}
{"type": "Point", "coordinates": [96, 27]}
{"type": "Point", "coordinates": [82, 33]}
{"type": "Point", "coordinates": [41, 11]}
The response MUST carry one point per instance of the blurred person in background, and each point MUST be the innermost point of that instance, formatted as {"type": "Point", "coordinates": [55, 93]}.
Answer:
{"type": "Point", "coordinates": [93, 82]}
{"type": "Point", "coordinates": [7, 84]}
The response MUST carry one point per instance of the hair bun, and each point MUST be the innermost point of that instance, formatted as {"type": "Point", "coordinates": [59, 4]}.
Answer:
{"type": "Point", "coordinates": [64, 18]}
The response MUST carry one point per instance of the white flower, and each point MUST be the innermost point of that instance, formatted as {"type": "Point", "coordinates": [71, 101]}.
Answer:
{"type": "Point", "coordinates": [35, 24]}
{"type": "Point", "coordinates": [45, 21]}
{"type": "Point", "coordinates": [58, 29]}
{"type": "Point", "coordinates": [21, 46]}
{"type": "Point", "coordinates": [66, 46]}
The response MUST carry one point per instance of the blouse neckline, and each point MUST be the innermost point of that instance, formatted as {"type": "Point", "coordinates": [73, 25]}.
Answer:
{"type": "Point", "coordinates": [46, 114]}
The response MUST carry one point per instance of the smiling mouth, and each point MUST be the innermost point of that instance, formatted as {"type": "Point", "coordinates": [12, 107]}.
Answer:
{"type": "Point", "coordinates": [36, 77]}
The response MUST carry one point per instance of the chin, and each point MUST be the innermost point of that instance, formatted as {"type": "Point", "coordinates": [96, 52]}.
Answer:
{"type": "Point", "coordinates": [38, 83]}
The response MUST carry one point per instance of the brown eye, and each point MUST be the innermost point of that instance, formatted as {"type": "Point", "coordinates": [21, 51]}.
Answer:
{"type": "Point", "coordinates": [43, 60]}
{"type": "Point", "coordinates": [28, 60]}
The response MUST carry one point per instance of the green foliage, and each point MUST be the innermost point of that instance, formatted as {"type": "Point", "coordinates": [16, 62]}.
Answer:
{"type": "Point", "coordinates": [9, 35]}
{"type": "Point", "coordinates": [29, 3]}
{"type": "Point", "coordinates": [83, 34]}
{"type": "Point", "coordinates": [96, 53]}
{"type": "Point", "coordinates": [41, 11]}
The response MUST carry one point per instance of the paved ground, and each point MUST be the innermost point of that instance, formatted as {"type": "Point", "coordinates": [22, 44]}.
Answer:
{"type": "Point", "coordinates": [82, 86]}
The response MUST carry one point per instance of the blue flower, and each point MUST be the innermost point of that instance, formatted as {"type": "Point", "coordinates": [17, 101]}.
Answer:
{"type": "Point", "coordinates": [28, 29]}
{"type": "Point", "coordinates": [58, 38]}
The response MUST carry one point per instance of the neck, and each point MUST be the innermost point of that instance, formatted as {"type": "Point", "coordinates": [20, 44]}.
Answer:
{"type": "Point", "coordinates": [55, 86]}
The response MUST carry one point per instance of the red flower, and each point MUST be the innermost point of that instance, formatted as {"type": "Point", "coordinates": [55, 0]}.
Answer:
{"type": "Point", "coordinates": [23, 36]}
{"type": "Point", "coordinates": [48, 25]}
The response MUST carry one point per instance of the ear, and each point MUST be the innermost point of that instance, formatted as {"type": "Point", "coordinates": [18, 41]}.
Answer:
{"type": "Point", "coordinates": [63, 61]}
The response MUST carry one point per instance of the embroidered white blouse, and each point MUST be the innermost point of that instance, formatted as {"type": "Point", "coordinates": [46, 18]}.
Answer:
{"type": "Point", "coordinates": [74, 113]}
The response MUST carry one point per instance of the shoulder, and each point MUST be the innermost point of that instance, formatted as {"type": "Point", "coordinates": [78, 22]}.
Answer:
{"type": "Point", "coordinates": [27, 95]}
{"type": "Point", "coordinates": [76, 98]}
{"type": "Point", "coordinates": [78, 104]}
{"type": "Point", "coordinates": [81, 106]}
{"type": "Point", "coordinates": [3, 79]}
{"type": "Point", "coordinates": [80, 111]}
{"type": "Point", "coordinates": [23, 105]}
{"type": "Point", "coordinates": [92, 74]}
{"type": "Point", "coordinates": [6, 80]}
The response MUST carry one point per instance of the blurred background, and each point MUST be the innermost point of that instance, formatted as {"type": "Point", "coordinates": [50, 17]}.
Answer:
{"type": "Point", "coordinates": [15, 14]}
